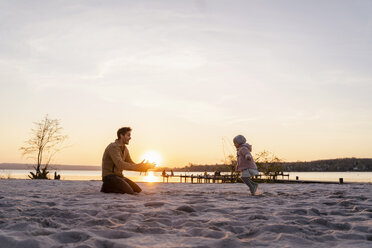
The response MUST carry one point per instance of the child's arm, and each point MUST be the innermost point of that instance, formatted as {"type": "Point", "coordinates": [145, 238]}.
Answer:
{"type": "Point", "coordinates": [246, 154]}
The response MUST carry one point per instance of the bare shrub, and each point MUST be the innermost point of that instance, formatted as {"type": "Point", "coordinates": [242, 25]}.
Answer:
{"type": "Point", "coordinates": [46, 140]}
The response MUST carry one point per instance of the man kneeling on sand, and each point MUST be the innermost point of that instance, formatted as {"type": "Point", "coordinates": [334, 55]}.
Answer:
{"type": "Point", "coordinates": [115, 159]}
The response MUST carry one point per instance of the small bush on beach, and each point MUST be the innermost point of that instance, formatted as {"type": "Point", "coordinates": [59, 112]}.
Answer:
{"type": "Point", "coordinates": [7, 176]}
{"type": "Point", "coordinates": [43, 174]}
{"type": "Point", "coordinates": [57, 176]}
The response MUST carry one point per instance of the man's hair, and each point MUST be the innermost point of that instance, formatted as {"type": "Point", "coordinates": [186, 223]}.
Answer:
{"type": "Point", "coordinates": [123, 131]}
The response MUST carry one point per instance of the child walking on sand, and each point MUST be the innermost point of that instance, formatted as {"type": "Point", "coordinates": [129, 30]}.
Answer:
{"type": "Point", "coordinates": [246, 162]}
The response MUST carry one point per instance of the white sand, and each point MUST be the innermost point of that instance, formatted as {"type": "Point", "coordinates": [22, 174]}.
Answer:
{"type": "Point", "coordinates": [75, 214]}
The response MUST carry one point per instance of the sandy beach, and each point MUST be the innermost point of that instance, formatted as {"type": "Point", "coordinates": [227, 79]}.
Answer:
{"type": "Point", "coordinates": [75, 214]}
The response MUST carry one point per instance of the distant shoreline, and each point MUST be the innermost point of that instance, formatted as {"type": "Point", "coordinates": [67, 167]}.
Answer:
{"type": "Point", "coordinates": [329, 165]}
{"type": "Point", "coordinates": [16, 166]}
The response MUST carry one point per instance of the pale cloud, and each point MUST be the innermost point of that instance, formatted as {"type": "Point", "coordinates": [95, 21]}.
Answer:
{"type": "Point", "coordinates": [195, 111]}
{"type": "Point", "coordinates": [299, 118]}
{"type": "Point", "coordinates": [163, 61]}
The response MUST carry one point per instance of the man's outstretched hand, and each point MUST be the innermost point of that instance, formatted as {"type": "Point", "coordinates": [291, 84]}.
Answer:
{"type": "Point", "coordinates": [145, 166]}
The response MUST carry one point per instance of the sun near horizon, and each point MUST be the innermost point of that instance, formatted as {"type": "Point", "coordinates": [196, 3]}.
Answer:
{"type": "Point", "coordinates": [152, 157]}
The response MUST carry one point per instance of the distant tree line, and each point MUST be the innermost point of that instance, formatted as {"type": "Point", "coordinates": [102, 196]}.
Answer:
{"type": "Point", "coordinates": [341, 164]}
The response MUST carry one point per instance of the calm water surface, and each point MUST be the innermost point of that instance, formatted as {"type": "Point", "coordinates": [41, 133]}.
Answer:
{"type": "Point", "coordinates": [365, 177]}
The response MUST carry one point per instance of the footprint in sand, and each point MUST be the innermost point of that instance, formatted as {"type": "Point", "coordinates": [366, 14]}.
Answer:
{"type": "Point", "coordinates": [106, 244]}
{"type": "Point", "coordinates": [70, 237]}
{"type": "Point", "coordinates": [258, 217]}
{"type": "Point", "coordinates": [154, 204]}
{"type": "Point", "coordinates": [115, 234]}
{"type": "Point", "coordinates": [186, 208]}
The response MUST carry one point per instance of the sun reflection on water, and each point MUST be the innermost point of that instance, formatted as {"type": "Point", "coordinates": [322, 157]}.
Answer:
{"type": "Point", "coordinates": [150, 178]}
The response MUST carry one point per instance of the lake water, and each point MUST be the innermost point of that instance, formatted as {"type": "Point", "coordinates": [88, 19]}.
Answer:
{"type": "Point", "coordinates": [363, 177]}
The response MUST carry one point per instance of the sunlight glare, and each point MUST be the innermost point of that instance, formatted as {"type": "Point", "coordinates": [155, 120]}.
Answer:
{"type": "Point", "coordinates": [152, 157]}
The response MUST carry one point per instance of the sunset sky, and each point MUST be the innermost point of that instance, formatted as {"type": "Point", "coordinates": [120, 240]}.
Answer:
{"type": "Point", "coordinates": [294, 77]}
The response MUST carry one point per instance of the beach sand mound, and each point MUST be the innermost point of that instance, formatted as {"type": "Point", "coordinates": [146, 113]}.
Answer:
{"type": "Point", "coordinates": [44, 214]}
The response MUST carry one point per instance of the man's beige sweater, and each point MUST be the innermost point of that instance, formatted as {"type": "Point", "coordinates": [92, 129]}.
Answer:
{"type": "Point", "coordinates": [115, 159]}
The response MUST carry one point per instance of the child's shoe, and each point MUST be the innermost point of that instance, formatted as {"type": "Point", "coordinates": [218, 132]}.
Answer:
{"type": "Point", "coordinates": [255, 186]}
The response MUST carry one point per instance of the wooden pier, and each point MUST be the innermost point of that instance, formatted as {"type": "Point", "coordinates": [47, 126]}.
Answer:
{"type": "Point", "coordinates": [236, 179]}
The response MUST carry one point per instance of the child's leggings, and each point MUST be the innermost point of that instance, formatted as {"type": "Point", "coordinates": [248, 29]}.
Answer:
{"type": "Point", "coordinates": [250, 184]}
